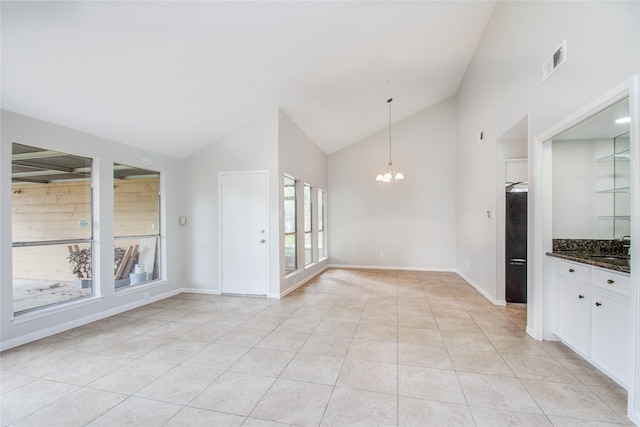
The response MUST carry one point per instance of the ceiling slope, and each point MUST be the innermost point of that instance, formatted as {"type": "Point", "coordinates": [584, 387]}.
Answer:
{"type": "Point", "coordinates": [173, 77]}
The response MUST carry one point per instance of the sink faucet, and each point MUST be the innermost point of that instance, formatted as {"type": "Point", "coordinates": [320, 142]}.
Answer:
{"type": "Point", "coordinates": [627, 246]}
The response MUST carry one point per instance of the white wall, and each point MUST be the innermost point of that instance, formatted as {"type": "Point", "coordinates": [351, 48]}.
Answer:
{"type": "Point", "coordinates": [503, 84]}
{"type": "Point", "coordinates": [411, 223]}
{"type": "Point", "coordinates": [577, 176]}
{"type": "Point", "coordinates": [254, 147]}
{"type": "Point", "coordinates": [302, 159]}
{"type": "Point", "coordinates": [28, 327]}
{"type": "Point", "coordinates": [272, 143]}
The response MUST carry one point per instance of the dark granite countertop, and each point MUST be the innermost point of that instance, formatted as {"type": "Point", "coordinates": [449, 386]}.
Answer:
{"type": "Point", "coordinates": [610, 261]}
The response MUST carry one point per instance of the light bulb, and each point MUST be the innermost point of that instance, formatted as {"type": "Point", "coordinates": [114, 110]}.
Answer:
{"type": "Point", "coordinates": [379, 177]}
{"type": "Point", "coordinates": [399, 175]}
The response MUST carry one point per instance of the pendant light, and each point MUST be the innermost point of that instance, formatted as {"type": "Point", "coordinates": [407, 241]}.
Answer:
{"type": "Point", "coordinates": [390, 173]}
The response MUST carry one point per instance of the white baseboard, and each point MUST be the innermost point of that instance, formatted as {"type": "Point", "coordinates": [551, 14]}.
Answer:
{"type": "Point", "coordinates": [14, 342]}
{"type": "Point", "coordinates": [56, 329]}
{"type": "Point", "coordinates": [448, 270]}
{"type": "Point", "coordinates": [298, 284]}
{"type": "Point", "coordinates": [533, 333]}
{"type": "Point", "coordinates": [390, 267]}
{"type": "Point", "coordinates": [481, 291]}
{"type": "Point", "coordinates": [201, 291]}
{"type": "Point", "coordinates": [270, 295]}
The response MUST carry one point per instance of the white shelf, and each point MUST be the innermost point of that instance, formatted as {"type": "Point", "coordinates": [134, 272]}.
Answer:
{"type": "Point", "coordinates": [622, 217]}
{"type": "Point", "coordinates": [623, 155]}
{"type": "Point", "coordinates": [626, 190]}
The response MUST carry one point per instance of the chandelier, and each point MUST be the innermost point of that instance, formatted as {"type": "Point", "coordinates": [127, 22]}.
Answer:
{"type": "Point", "coordinates": [390, 173]}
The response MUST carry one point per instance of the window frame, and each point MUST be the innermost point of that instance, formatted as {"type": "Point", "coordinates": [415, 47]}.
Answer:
{"type": "Point", "coordinates": [72, 243]}
{"type": "Point", "coordinates": [308, 233]}
{"type": "Point", "coordinates": [322, 224]}
{"type": "Point", "coordinates": [293, 233]}
{"type": "Point", "coordinates": [125, 281]}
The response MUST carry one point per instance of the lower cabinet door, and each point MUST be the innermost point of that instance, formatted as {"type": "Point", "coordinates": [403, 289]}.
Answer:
{"type": "Point", "coordinates": [574, 320]}
{"type": "Point", "coordinates": [611, 336]}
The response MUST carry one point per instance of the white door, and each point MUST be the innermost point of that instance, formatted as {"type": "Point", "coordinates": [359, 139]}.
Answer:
{"type": "Point", "coordinates": [244, 219]}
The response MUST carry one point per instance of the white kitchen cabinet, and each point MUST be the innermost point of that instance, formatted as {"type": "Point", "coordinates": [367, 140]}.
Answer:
{"type": "Point", "coordinates": [594, 317]}
{"type": "Point", "coordinates": [611, 327]}
{"type": "Point", "coordinates": [575, 315]}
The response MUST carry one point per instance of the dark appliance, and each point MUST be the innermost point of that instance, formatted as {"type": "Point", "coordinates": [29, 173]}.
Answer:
{"type": "Point", "coordinates": [516, 243]}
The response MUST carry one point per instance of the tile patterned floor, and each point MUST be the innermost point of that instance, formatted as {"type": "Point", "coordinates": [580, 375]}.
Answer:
{"type": "Point", "coordinates": [350, 348]}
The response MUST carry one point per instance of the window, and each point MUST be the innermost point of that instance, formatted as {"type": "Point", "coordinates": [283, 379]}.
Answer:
{"type": "Point", "coordinates": [308, 228]}
{"type": "Point", "coordinates": [52, 227]}
{"type": "Point", "coordinates": [136, 215]}
{"type": "Point", "coordinates": [290, 226]}
{"type": "Point", "coordinates": [322, 251]}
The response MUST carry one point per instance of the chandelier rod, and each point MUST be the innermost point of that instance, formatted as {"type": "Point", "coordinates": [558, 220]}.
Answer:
{"type": "Point", "coordinates": [389, 102]}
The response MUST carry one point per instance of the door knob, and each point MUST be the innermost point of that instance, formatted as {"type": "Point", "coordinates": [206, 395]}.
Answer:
{"type": "Point", "coordinates": [262, 241]}
{"type": "Point", "coordinates": [598, 304]}
{"type": "Point", "coordinates": [581, 296]}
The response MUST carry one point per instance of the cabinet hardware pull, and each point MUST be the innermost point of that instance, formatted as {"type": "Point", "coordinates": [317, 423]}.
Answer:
{"type": "Point", "coordinates": [610, 282]}
{"type": "Point", "coordinates": [571, 270]}
{"type": "Point", "coordinates": [598, 304]}
{"type": "Point", "coordinates": [580, 296]}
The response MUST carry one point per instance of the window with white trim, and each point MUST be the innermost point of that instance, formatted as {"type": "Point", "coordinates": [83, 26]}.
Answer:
{"type": "Point", "coordinates": [322, 241]}
{"type": "Point", "coordinates": [52, 227]}
{"type": "Point", "coordinates": [308, 226]}
{"type": "Point", "coordinates": [136, 215]}
{"type": "Point", "coordinates": [290, 226]}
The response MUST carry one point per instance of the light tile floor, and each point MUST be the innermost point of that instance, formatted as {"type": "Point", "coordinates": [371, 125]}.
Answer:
{"type": "Point", "coordinates": [349, 348]}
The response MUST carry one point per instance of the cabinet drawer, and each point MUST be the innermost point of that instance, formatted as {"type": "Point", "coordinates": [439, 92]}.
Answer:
{"type": "Point", "coordinates": [575, 271]}
{"type": "Point", "coordinates": [613, 281]}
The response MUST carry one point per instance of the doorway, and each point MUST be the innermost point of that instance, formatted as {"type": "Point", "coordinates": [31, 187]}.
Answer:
{"type": "Point", "coordinates": [516, 243]}
{"type": "Point", "coordinates": [512, 166]}
{"type": "Point", "coordinates": [244, 219]}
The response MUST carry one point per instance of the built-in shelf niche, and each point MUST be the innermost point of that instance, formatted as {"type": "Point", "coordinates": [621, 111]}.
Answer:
{"type": "Point", "coordinates": [618, 204]}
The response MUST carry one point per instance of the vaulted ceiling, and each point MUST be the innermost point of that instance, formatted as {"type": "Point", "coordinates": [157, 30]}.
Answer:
{"type": "Point", "coordinates": [175, 76]}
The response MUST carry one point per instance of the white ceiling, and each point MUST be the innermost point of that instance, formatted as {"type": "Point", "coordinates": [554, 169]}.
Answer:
{"type": "Point", "coordinates": [601, 125]}
{"type": "Point", "coordinates": [173, 77]}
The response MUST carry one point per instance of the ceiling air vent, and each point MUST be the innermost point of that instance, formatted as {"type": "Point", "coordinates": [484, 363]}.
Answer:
{"type": "Point", "coordinates": [552, 63]}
